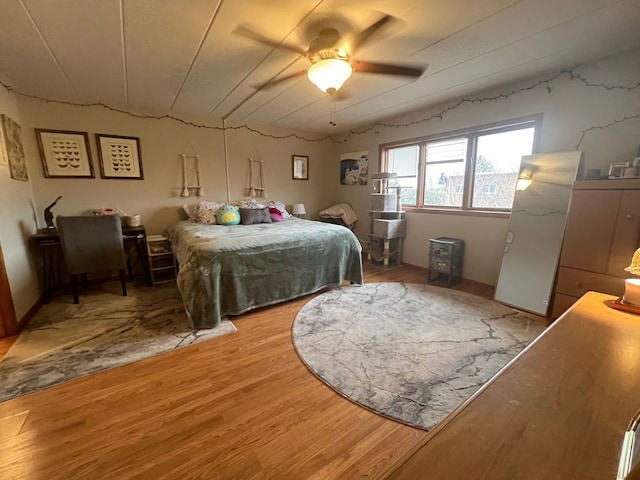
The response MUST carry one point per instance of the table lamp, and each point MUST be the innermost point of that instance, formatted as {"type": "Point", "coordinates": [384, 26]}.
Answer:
{"type": "Point", "coordinates": [632, 285]}
{"type": "Point", "coordinates": [298, 209]}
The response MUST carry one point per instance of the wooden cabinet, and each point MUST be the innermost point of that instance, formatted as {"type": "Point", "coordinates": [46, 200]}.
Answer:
{"type": "Point", "coordinates": [602, 232]}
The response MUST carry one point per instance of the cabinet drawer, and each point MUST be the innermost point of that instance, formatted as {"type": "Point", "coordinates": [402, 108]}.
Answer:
{"type": "Point", "coordinates": [576, 283]}
{"type": "Point", "coordinates": [561, 304]}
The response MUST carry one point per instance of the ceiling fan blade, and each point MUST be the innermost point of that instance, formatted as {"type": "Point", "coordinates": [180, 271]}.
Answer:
{"type": "Point", "coordinates": [356, 40]}
{"type": "Point", "coordinates": [387, 69]}
{"type": "Point", "coordinates": [276, 81]}
{"type": "Point", "coordinates": [255, 36]}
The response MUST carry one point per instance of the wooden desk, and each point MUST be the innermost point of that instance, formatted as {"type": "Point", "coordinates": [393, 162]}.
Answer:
{"type": "Point", "coordinates": [557, 411]}
{"type": "Point", "coordinates": [49, 243]}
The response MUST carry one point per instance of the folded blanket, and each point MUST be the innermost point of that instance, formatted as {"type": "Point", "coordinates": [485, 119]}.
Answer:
{"type": "Point", "coordinates": [340, 210]}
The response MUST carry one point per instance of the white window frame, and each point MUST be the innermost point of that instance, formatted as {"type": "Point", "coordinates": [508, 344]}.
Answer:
{"type": "Point", "coordinates": [472, 135]}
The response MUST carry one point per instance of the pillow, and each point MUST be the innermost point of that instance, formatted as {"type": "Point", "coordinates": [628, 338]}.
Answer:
{"type": "Point", "coordinates": [228, 215]}
{"type": "Point", "coordinates": [205, 212]}
{"type": "Point", "coordinates": [250, 216]}
{"type": "Point", "coordinates": [280, 206]}
{"type": "Point", "coordinates": [191, 210]}
{"type": "Point", "coordinates": [275, 214]}
{"type": "Point", "coordinates": [250, 202]}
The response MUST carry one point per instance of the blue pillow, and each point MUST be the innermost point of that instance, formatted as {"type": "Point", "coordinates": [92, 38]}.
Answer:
{"type": "Point", "coordinates": [228, 215]}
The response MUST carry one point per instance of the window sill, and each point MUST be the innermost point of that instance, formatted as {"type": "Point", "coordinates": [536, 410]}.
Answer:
{"type": "Point", "coordinates": [456, 211]}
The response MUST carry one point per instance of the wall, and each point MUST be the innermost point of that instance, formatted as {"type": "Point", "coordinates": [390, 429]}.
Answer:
{"type": "Point", "coordinates": [157, 196]}
{"type": "Point", "coordinates": [17, 225]}
{"type": "Point", "coordinates": [571, 107]}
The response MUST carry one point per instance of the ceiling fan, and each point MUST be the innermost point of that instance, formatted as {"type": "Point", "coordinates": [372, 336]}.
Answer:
{"type": "Point", "coordinates": [331, 58]}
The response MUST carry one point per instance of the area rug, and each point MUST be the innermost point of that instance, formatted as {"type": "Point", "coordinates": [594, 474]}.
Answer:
{"type": "Point", "coordinates": [409, 352]}
{"type": "Point", "coordinates": [105, 330]}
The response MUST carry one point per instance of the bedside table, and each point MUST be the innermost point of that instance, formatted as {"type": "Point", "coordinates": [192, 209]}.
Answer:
{"type": "Point", "coordinates": [445, 261]}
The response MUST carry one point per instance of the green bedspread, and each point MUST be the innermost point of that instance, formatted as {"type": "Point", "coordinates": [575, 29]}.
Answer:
{"type": "Point", "coordinates": [228, 270]}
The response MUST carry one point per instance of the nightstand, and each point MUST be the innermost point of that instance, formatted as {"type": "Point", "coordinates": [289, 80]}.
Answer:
{"type": "Point", "coordinates": [445, 261]}
{"type": "Point", "coordinates": [162, 263]}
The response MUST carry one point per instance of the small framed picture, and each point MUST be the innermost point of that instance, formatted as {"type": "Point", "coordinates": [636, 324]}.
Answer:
{"type": "Point", "coordinates": [617, 169]}
{"type": "Point", "coordinates": [65, 154]}
{"type": "Point", "coordinates": [120, 156]}
{"type": "Point", "coordinates": [300, 167]}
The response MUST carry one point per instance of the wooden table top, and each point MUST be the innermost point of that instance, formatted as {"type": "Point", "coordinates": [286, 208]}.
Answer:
{"type": "Point", "coordinates": [558, 411]}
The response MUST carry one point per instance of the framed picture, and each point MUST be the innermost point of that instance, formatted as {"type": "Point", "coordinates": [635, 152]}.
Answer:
{"type": "Point", "coordinates": [617, 169]}
{"type": "Point", "coordinates": [354, 168]}
{"type": "Point", "coordinates": [120, 156]}
{"type": "Point", "coordinates": [65, 154]}
{"type": "Point", "coordinates": [13, 148]}
{"type": "Point", "coordinates": [300, 167]}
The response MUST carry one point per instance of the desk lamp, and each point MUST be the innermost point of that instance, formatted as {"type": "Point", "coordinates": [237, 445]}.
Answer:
{"type": "Point", "coordinates": [298, 209]}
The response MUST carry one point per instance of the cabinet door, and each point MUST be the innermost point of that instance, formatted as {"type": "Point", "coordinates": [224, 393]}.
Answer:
{"type": "Point", "coordinates": [627, 233]}
{"type": "Point", "coordinates": [590, 229]}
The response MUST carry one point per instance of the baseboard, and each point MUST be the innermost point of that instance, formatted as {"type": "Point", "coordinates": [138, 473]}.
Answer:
{"type": "Point", "coordinates": [27, 317]}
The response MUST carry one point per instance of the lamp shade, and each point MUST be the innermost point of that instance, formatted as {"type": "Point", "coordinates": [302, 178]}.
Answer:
{"type": "Point", "coordinates": [298, 209]}
{"type": "Point", "coordinates": [329, 74]}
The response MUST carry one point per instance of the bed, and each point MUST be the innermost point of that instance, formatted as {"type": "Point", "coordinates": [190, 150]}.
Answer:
{"type": "Point", "coordinates": [228, 270]}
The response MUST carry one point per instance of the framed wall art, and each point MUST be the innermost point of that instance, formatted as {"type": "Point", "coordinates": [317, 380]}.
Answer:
{"type": "Point", "coordinates": [13, 148]}
{"type": "Point", "coordinates": [300, 167]}
{"type": "Point", "coordinates": [65, 154]}
{"type": "Point", "coordinates": [617, 169]}
{"type": "Point", "coordinates": [120, 156]}
{"type": "Point", "coordinates": [354, 168]}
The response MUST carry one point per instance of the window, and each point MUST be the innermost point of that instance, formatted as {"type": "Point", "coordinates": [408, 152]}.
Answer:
{"type": "Point", "coordinates": [476, 169]}
{"type": "Point", "coordinates": [489, 189]}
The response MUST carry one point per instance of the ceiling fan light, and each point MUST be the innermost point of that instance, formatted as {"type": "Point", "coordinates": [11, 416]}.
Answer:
{"type": "Point", "coordinates": [329, 74]}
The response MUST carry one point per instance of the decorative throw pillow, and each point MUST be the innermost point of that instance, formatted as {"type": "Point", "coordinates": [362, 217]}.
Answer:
{"type": "Point", "coordinates": [191, 211]}
{"type": "Point", "coordinates": [228, 215]}
{"type": "Point", "coordinates": [275, 214]}
{"type": "Point", "coordinates": [250, 216]}
{"type": "Point", "coordinates": [250, 202]}
{"type": "Point", "coordinates": [205, 212]}
{"type": "Point", "coordinates": [280, 206]}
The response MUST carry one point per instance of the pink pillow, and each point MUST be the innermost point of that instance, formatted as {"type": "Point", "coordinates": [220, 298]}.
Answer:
{"type": "Point", "coordinates": [276, 215]}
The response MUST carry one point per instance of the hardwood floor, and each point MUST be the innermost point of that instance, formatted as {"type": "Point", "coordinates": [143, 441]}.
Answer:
{"type": "Point", "coordinates": [241, 406]}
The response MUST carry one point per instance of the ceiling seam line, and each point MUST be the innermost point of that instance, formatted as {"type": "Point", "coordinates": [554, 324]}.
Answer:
{"type": "Point", "coordinates": [260, 63]}
{"type": "Point", "coordinates": [44, 41]}
{"type": "Point", "coordinates": [469, 59]}
{"type": "Point", "coordinates": [242, 80]}
{"type": "Point", "coordinates": [466, 27]}
{"type": "Point", "coordinates": [197, 52]}
{"type": "Point", "coordinates": [590, 12]}
{"type": "Point", "coordinates": [125, 72]}
{"type": "Point", "coordinates": [445, 89]}
{"type": "Point", "coordinates": [253, 94]}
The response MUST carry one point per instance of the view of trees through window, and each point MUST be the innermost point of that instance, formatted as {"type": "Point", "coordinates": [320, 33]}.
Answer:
{"type": "Point", "coordinates": [477, 170]}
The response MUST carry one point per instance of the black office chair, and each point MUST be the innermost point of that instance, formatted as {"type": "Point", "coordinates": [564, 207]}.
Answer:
{"type": "Point", "coordinates": [92, 244]}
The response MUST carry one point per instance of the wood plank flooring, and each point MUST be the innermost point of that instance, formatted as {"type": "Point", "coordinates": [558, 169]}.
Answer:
{"type": "Point", "coordinates": [241, 406]}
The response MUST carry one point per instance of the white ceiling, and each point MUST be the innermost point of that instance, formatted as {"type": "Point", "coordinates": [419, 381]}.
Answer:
{"type": "Point", "coordinates": [181, 57]}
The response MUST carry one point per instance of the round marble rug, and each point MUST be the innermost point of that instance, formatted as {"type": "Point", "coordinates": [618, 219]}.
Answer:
{"type": "Point", "coordinates": [410, 352]}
